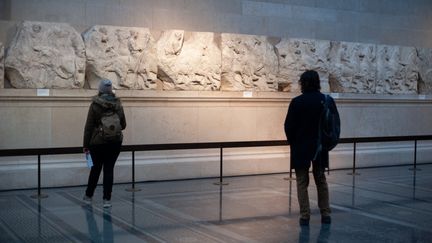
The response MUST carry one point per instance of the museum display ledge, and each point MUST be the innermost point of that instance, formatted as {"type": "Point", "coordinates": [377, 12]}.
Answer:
{"type": "Point", "coordinates": [30, 95]}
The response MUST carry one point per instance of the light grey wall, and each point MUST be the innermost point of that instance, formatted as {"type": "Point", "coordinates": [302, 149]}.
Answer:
{"type": "Point", "coordinates": [394, 22]}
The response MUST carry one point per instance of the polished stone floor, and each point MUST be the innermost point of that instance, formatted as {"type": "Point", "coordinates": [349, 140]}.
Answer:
{"type": "Point", "coordinates": [390, 204]}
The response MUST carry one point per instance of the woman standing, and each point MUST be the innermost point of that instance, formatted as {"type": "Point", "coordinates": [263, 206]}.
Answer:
{"type": "Point", "coordinates": [103, 138]}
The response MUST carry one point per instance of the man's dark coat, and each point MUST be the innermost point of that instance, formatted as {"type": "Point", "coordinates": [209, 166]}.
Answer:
{"type": "Point", "coordinates": [301, 129]}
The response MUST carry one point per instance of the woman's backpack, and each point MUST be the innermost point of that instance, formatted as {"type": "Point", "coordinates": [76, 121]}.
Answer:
{"type": "Point", "coordinates": [110, 128]}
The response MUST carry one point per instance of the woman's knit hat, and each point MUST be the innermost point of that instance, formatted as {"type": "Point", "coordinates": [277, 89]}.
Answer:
{"type": "Point", "coordinates": [105, 86]}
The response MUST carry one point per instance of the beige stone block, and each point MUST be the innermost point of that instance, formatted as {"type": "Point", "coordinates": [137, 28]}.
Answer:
{"type": "Point", "coordinates": [213, 123]}
{"type": "Point", "coordinates": [227, 123]}
{"type": "Point", "coordinates": [384, 119]}
{"type": "Point", "coordinates": [162, 125]}
{"type": "Point", "coordinates": [25, 127]}
{"type": "Point", "coordinates": [270, 122]}
{"type": "Point", "coordinates": [68, 126]}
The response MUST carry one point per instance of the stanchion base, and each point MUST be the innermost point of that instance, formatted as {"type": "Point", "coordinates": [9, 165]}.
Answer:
{"type": "Point", "coordinates": [39, 196]}
{"type": "Point", "coordinates": [221, 183]}
{"type": "Point", "coordinates": [132, 189]}
{"type": "Point", "coordinates": [353, 173]}
{"type": "Point", "coordinates": [289, 178]}
{"type": "Point", "coordinates": [416, 169]}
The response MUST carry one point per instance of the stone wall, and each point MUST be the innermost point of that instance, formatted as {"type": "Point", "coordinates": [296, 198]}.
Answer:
{"type": "Point", "coordinates": [53, 55]}
{"type": "Point", "coordinates": [395, 22]}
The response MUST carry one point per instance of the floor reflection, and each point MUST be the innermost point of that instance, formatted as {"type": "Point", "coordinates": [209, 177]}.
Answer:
{"type": "Point", "coordinates": [381, 205]}
{"type": "Point", "coordinates": [96, 235]}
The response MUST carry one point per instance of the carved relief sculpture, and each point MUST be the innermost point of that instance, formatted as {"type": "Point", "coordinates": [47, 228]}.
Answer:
{"type": "Point", "coordinates": [54, 55]}
{"type": "Point", "coordinates": [425, 70]}
{"type": "Point", "coordinates": [397, 71]}
{"type": "Point", "coordinates": [299, 55]}
{"type": "Point", "coordinates": [125, 55]}
{"type": "Point", "coordinates": [189, 61]}
{"type": "Point", "coordinates": [352, 67]}
{"type": "Point", "coordinates": [46, 55]}
{"type": "Point", "coordinates": [248, 63]}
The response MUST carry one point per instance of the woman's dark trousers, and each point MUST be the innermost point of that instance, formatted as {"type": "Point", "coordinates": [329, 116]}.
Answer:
{"type": "Point", "coordinates": [103, 156]}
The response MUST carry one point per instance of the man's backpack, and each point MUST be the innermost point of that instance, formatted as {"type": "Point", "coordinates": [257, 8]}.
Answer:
{"type": "Point", "coordinates": [329, 126]}
{"type": "Point", "coordinates": [110, 128]}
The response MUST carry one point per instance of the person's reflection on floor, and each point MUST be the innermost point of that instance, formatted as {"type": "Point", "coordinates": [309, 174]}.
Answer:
{"type": "Point", "coordinates": [304, 234]}
{"type": "Point", "coordinates": [91, 224]}
{"type": "Point", "coordinates": [95, 235]}
{"type": "Point", "coordinates": [324, 234]}
{"type": "Point", "coordinates": [107, 226]}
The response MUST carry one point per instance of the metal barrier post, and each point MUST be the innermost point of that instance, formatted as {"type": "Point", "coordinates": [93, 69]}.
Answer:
{"type": "Point", "coordinates": [39, 194]}
{"type": "Point", "coordinates": [415, 157]}
{"type": "Point", "coordinates": [133, 189]}
{"type": "Point", "coordinates": [221, 183]}
{"type": "Point", "coordinates": [354, 161]}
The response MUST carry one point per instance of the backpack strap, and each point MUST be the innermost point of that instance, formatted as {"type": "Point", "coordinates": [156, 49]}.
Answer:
{"type": "Point", "coordinates": [324, 104]}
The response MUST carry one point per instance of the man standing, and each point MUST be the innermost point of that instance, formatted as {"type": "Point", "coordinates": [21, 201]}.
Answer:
{"type": "Point", "coordinates": [302, 129]}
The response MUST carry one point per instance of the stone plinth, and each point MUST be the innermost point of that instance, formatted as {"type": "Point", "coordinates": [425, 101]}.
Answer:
{"type": "Point", "coordinates": [156, 117]}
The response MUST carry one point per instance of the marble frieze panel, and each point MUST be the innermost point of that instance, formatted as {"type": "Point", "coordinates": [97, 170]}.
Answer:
{"type": "Point", "coordinates": [425, 70]}
{"type": "Point", "coordinates": [299, 55]}
{"type": "Point", "coordinates": [353, 67]}
{"type": "Point", "coordinates": [45, 55]}
{"type": "Point", "coordinates": [54, 55]}
{"type": "Point", "coordinates": [189, 61]}
{"type": "Point", "coordinates": [397, 70]}
{"type": "Point", "coordinates": [248, 63]}
{"type": "Point", "coordinates": [125, 55]}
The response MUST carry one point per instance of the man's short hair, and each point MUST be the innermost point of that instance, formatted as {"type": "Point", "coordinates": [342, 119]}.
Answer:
{"type": "Point", "coordinates": [310, 81]}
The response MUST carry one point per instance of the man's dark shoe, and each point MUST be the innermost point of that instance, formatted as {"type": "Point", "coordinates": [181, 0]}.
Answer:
{"type": "Point", "coordinates": [326, 220]}
{"type": "Point", "coordinates": [304, 222]}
